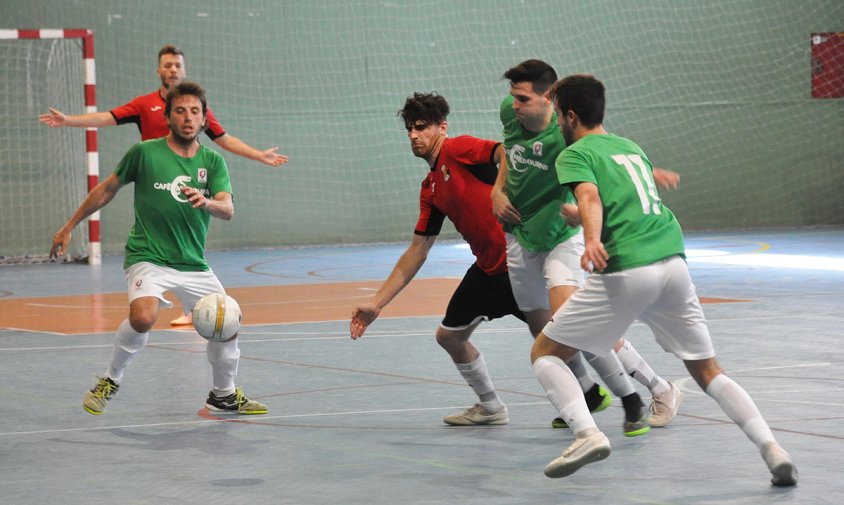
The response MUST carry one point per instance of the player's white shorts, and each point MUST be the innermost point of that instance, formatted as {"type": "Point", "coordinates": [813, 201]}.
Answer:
{"type": "Point", "coordinates": [532, 274]}
{"type": "Point", "coordinates": [660, 295]}
{"type": "Point", "coordinates": [147, 279]}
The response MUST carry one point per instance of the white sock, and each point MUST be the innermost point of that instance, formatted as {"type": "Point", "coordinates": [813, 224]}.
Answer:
{"type": "Point", "coordinates": [578, 368]}
{"type": "Point", "coordinates": [737, 404]}
{"type": "Point", "coordinates": [610, 370]}
{"type": "Point", "coordinates": [636, 366]}
{"type": "Point", "coordinates": [224, 357]}
{"type": "Point", "coordinates": [477, 376]}
{"type": "Point", "coordinates": [564, 392]}
{"type": "Point", "coordinates": [127, 343]}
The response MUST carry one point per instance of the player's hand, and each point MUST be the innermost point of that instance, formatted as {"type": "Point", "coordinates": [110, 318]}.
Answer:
{"type": "Point", "coordinates": [666, 179]}
{"type": "Point", "coordinates": [54, 119]}
{"type": "Point", "coordinates": [272, 158]}
{"type": "Point", "coordinates": [362, 317]}
{"type": "Point", "coordinates": [570, 213]}
{"type": "Point", "coordinates": [195, 197]}
{"type": "Point", "coordinates": [61, 240]}
{"type": "Point", "coordinates": [503, 210]}
{"type": "Point", "coordinates": [594, 257]}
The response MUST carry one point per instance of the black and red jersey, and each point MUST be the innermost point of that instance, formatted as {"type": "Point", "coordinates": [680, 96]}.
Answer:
{"type": "Point", "coordinates": [458, 187]}
{"type": "Point", "coordinates": [147, 111]}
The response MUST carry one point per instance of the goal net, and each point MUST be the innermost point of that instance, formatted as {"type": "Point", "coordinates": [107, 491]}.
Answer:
{"type": "Point", "coordinates": [45, 170]}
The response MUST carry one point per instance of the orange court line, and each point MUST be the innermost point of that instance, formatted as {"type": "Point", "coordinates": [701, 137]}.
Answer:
{"type": "Point", "coordinates": [99, 313]}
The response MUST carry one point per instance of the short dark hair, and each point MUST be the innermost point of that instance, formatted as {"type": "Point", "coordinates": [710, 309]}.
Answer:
{"type": "Point", "coordinates": [541, 74]}
{"type": "Point", "coordinates": [582, 93]}
{"type": "Point", "coordinates": [185, 88]}
{"type": "Point", "coordinates": [170, 49]}
{"type": "Point", "coordinates": [430, 108]}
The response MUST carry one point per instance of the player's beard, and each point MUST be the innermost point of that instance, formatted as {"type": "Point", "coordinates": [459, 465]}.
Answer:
{"type": "Point", "coordinates": [183, 140]}
{"type": "Point", "coordinates": [568, 133]}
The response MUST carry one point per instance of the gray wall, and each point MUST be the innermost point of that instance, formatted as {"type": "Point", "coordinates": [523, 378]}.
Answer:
{"type": "Point", "coordinates": [716, 90]}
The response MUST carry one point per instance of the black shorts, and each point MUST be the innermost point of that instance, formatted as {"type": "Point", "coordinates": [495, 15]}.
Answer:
{"type": "Point", "coordinates": [480, 297]}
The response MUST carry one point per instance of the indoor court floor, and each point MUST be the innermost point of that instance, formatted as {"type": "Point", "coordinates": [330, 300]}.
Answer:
{"type": "Point", "coordinates": [360, 422]}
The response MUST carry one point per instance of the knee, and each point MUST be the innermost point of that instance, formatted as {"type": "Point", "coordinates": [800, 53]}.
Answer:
{"type": "Point", "coordinates": [141, 322]}
{"type": "Point", "coordinates": [703, 371]}
{"type": "Point", "coordinates": [544, 346]}
{"type": "Point", "coordinates": [448, 339]}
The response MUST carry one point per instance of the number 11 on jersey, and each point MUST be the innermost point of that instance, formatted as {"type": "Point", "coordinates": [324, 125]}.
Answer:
{"type": "Point", "coordinates": [641, 178]}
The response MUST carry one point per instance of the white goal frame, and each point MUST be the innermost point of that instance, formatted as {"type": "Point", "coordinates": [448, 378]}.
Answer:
{"type": "Point", "coordinates": [93, 173]}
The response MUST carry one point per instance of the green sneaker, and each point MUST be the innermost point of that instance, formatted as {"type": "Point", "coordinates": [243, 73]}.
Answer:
{"type": "Point", "coordinates": [96, 399]}
{"type": "Point", "coordinates": [638, 427]}
{"type": "Point", "coordinates": [597, 399]}
{"type": "Point", "coordinates": [235, 402]}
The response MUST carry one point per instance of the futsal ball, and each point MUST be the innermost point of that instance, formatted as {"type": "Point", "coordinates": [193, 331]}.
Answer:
{"type": "Point", "coordinates": [216, 317]}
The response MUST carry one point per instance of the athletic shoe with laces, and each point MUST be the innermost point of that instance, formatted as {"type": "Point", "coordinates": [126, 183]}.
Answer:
{"type": "Point", "coordinates": [95, 400]}
{"type": "Point", "coordinates": [783, 471]}
{"type": "Point", "coordinates": [235, 402]}
{"type": "Point", "coordinates": [581, 452]}
{"type": "Point", "coordinates": [665, 406]}
{"type": "Point", "coordinates": [597, 399]}
{"type": "Point", "coordinates": [477, 415]}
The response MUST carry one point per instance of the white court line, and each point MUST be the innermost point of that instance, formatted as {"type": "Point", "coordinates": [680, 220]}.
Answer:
{"type": "Point", "coordinates": [477, 331]}
{"type": "Point", "coordinates": [696, 391]}
{"type": "Point", "coordinates": [252, 420]}
{"type": "Point", "coordinates": [198, 342]}
{"type": "Point", "coordinates": [27, 330]}
{"type": "Point", "coordinates": [759, 369]}
{"type": "Point", "coordinates": [249, 304]}
{"type": "Point", "coordinates": [251, 340]}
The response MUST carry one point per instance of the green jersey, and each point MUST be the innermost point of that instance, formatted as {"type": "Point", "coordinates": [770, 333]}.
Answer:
{"type": "Point", "coordinates": [637, 228]}
{"type": "Point", "coordinates": [168, 231]}
{"type": "Point", "coordinates": [532, 182]}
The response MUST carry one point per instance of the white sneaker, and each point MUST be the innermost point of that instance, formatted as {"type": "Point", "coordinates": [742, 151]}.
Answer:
{"type": "Point", "coordinates": [665, 406]}
{"type": "Point", "coordinates": [478, 415]}
{"type": "Point", "coordinates": [583, 451]}
{"type": "Point", "coordinates": [783, 471]}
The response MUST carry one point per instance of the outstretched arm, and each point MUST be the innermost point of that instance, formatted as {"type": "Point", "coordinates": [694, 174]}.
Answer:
{"type": "Point", "coordinates": [591, 211]}
{"type": "Point", "coordinates": [55, 118]}
{"type": "Point", "coordinates": [96, 200]}
{"type": "Point", "coordinates": [406, 268]}
{"type": "Point", "coordinates": [502, 209]}
{"type": "Point", "coordinates": [236, 146]}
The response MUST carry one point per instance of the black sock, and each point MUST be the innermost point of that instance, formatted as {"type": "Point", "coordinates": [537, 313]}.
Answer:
{"type": "Point", "coordinates": [593, 397]}
{"type": "Point", "coordinates": [632, 407]}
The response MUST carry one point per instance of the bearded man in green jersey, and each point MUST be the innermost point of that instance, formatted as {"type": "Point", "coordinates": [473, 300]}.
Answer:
{"type": "Point", "coordinates": [179, 186]}
{"type": "Point", "coordinates": [543, 249]}
{"type": "Point", "coordinates": [634, 247]}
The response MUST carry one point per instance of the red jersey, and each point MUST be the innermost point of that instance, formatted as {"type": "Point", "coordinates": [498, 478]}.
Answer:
{"type": "Point", "coordinates": [459, 186]}
{"type": "Point", "coordinates": [147, 111]}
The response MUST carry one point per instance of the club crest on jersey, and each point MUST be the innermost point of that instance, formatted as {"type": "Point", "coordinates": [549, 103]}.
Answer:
{"type": "Point", "coordinates": [446, 172]}
{"type": "Point", "coordinates": [537, 148]}
{"type": "Point", "coordinates": [202, 175]}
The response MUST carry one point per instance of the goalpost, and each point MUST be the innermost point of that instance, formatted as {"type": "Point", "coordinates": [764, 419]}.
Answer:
{"type": "Point", "coordinates": [46, 171]}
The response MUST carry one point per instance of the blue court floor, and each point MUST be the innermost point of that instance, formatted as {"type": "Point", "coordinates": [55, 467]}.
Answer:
{"type": "Point", "coordinates": [360, 422]}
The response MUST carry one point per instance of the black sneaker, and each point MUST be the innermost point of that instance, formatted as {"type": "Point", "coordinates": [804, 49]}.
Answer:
{"type": "Point", "coordinates": [235, 402]}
